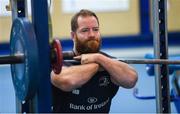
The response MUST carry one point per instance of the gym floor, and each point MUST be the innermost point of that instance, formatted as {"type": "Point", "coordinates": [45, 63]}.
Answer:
{"type": "Point", "coordinates": [123, 102]}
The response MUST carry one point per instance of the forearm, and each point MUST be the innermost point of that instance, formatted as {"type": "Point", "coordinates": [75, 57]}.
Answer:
{"type": "Point", "coordinates": [121, 73]}
{"type": "Point", "coordinates": [74, 76]}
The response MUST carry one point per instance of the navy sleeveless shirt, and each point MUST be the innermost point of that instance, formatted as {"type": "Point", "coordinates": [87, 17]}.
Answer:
{"type": "Point", "coordinates": [94, 96]}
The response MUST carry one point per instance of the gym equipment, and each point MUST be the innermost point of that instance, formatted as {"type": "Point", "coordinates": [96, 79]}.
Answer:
{"type": "Point", "coordinates": [172, 67]}
{"type": "Point", "coordinates": [57, 57]}
{"type": "Point", "coordinates": [176, 89]}
{"type": "Point", "coordinates": [41, 101]}
{"type": "Point", "coordinates": [39, 20]}
{"type": "Point", "coordinates": [148, 97]}
{"type": "Point", "coordinates": [160, 43]}
{"type": "Point", "coordinates": [176, 82]}
{"type": "Point", "coordinates": [24, 58]}
{"type": "Point", "coordinates": [23, 42]}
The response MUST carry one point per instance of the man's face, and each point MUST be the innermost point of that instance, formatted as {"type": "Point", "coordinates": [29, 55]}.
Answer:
{"type": "Point", "coordinates": [87, 38]}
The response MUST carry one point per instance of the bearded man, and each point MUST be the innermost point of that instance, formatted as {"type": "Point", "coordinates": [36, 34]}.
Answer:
{"type": "Point", "coordinates": [85, 88]}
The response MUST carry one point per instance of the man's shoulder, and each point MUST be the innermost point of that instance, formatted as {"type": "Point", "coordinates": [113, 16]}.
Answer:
{"type": "Point", "coordinates": [104, 53]}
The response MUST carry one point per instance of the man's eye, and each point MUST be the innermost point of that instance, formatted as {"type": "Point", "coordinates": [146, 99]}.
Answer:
{"type": "Point", "coordinates": [96, 29]}
{"type": "Point", "coordinates": [84, 30]}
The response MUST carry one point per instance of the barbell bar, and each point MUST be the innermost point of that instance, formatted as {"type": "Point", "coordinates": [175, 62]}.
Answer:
{"type": "Point", "coordinates": [150, 61]}
{"type": "Point", "coordinates": [138, 61]}
{"type": "Point", "coordinates": [12, 59]}
{"type": "Point", "coordinates": [68, 57]}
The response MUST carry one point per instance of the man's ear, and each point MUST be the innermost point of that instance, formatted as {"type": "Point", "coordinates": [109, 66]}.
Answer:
{"type": "Point", "coordinates": [72, 35]}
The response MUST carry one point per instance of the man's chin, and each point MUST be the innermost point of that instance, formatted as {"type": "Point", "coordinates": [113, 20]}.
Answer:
{"type": "Point", "coordinates": [89, 50]}
{"type": "Point", "coordinates": [94, 45]}
{"type": "Point", "coordinates": [88, 47]}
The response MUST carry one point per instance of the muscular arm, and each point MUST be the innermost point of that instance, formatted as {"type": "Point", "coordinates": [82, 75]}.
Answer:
{"type": "Point", "coordinates": [74, 76]}
{"type": "Point", "coordinates": [121, 73]}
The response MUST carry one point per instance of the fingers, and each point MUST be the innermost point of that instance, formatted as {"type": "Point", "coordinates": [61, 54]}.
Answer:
{"type": "Point", "coordinates": [86, 58]}
{"type": "Point", "coordinates": [77, 57]}
{"type": "Point", "coordinates": [82, 58]}
{"type": "Point", "coordinates": [84, 61]}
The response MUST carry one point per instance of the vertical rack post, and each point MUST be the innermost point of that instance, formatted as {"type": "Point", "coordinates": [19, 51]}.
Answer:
{"type": "Point", "coordinates": [159, 10]}
{"type": "Point", "coordinates": [40, 22]}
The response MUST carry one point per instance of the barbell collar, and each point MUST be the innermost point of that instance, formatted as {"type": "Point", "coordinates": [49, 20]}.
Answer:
{"type": "Point", "coordinates": [68, 55]}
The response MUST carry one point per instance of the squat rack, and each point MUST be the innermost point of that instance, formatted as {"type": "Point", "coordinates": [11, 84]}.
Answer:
{"type": "Point", "coordinates": [159, 10]}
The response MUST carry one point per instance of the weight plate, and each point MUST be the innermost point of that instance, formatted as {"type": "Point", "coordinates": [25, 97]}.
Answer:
{"type": "Point", "coordinates": [57, 64]}
{"type": "Point", "coordinates": [25, 75]}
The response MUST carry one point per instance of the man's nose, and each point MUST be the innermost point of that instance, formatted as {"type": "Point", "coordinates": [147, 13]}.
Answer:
{"type": "Point", "coordinates": [91, 34]}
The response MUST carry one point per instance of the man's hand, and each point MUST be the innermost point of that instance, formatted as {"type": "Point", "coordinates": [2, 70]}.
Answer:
{"type": "Point", "coordinates": [87, 58]}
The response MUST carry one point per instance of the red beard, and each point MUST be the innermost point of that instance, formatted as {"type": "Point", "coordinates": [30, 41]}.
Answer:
{"type": "Point", "coordinates": [89, 46]}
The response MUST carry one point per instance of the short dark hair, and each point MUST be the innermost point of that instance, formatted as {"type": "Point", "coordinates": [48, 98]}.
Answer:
{"type": "Point", "coordinates": [84, 13]}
